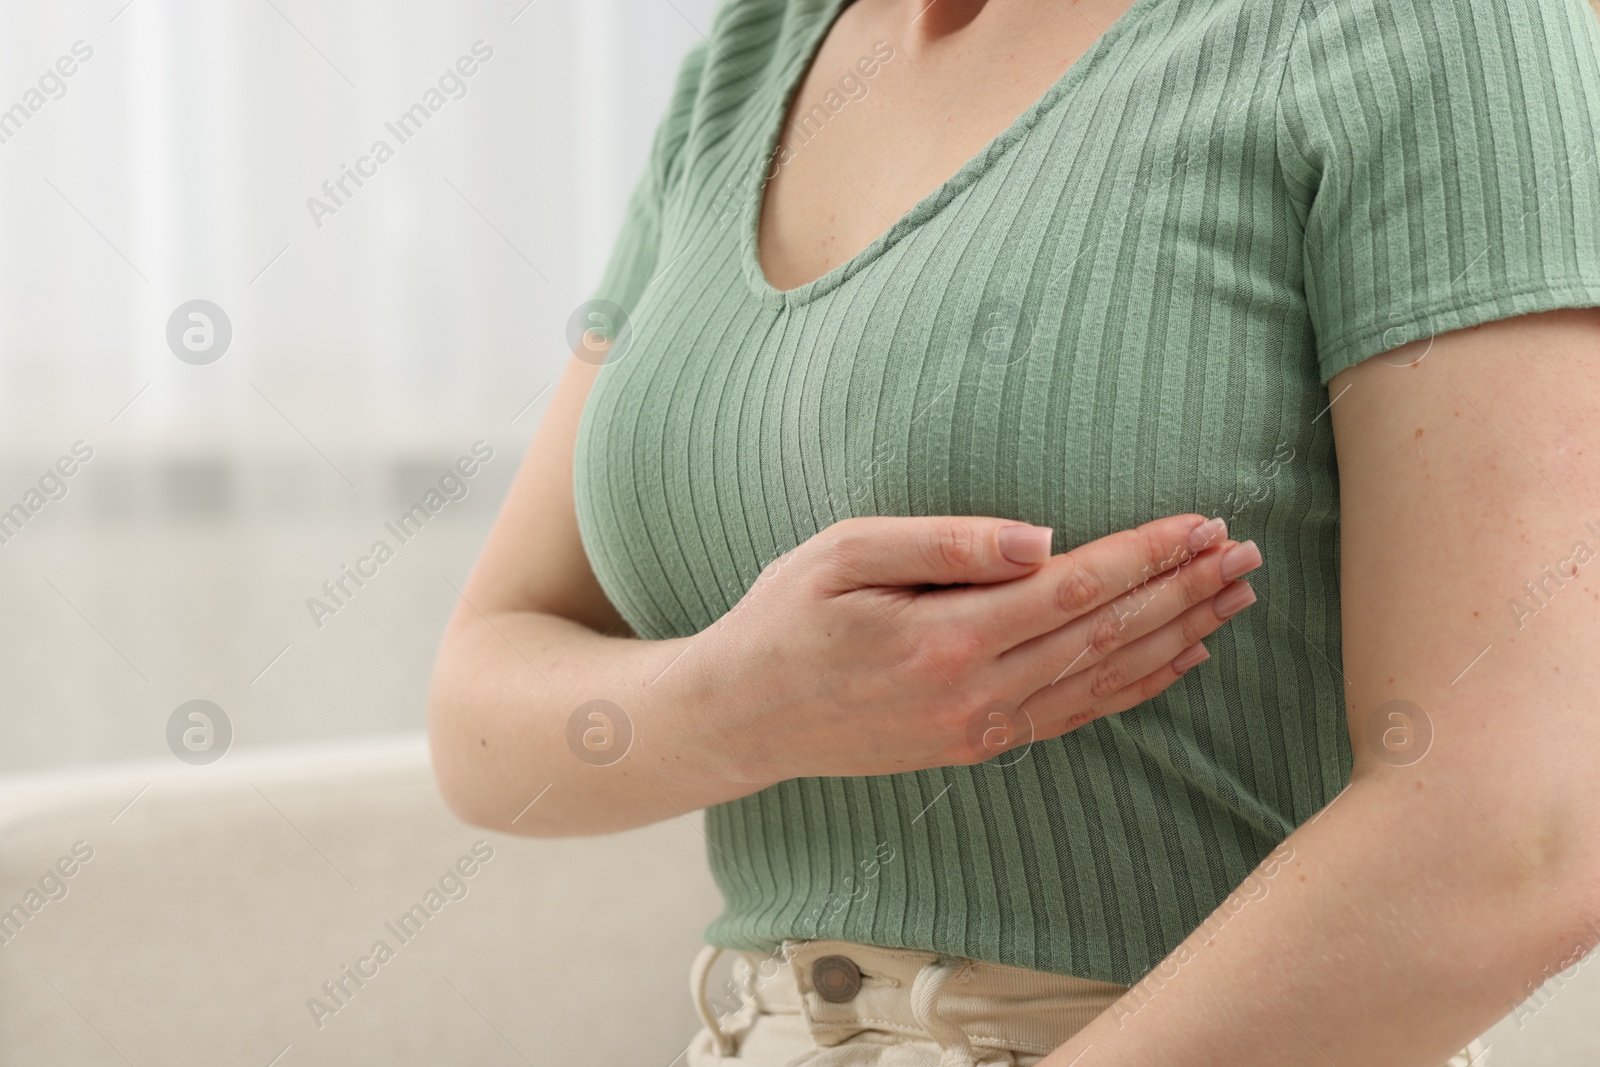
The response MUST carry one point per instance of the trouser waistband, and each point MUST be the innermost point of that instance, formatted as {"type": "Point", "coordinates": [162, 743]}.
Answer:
{"type": "Point", "coordinates": [843, 988]}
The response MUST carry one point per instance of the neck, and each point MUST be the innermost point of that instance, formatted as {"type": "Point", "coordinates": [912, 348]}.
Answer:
{"type": "Point", "coordinates": [931, 21]}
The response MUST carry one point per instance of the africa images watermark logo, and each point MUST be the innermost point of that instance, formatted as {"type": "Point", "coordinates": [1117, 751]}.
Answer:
{"type": "Point", "coordinates": [599, 732]}
{"type": "Point", "coordinates": [851, 87]}
{"type": "Point", "coordinates": [199, 732]}
{"type": "Point", "coordinates": [1399, 733]}
{"type": "Point", "coordinates": [51, 486]}
{"type": "Point", "coordinates": [451, 886]}
{"type": "Point", "coordinates": [453, 485]}
{"type": "Point", "coordinates": [52, 85]}
{"type": "Point", "coordinates": [199, 332]}
{"type": "Point", "coordinates": [452, 85]}
{"type": "Point", "coordinates": [52, 886]}
{"type": "Point", "coordinates": [1553, 577]}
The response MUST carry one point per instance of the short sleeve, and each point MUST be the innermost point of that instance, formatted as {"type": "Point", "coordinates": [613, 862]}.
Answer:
{"type": "Point", "coordinates": [633, 258]}
{"type": "Point", "coordinates": [1444, 160]}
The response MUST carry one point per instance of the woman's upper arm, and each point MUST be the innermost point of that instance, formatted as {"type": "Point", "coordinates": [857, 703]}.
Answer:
{"type": "Point", "coordinates": [1470, 255]}
{"type": "Point", "coordinates": [1470, 514]}
{"type": "Point", "coordinates": [534, 558]}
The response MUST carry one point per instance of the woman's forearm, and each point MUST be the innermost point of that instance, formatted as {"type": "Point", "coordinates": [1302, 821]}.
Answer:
{"type": "Point", "coordinates": [1387, 932]}
{"type": "Point", "coordinates": [871, 648]}
{"type": "Point", "coordinates": [516, 749]}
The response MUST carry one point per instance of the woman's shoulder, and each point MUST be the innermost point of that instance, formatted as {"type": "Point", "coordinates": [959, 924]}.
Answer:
{"type": "Point", "coordinates": [744, 60]}
{"type": "Point", "coordinates": [1493, 64]}
{"type": "Point", "coordinates": [748, 43]}
{"type": "Point", "coordinates": [1462, 21]}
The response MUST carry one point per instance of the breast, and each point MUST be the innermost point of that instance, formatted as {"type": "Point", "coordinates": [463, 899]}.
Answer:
{"type": "Point", "coordinates": [964, 372]}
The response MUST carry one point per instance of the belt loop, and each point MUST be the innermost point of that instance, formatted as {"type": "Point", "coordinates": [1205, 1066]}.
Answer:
{"type": "Point", "coordinates": [698, 974]}
{"type": "Point", "coordinates": [954, 1045]}
{"type": "Point", "coordinates": [744, 1018]}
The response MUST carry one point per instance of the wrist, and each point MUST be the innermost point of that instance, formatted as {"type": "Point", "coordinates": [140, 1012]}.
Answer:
{"type": "Point", "coordinates": [704, 719]}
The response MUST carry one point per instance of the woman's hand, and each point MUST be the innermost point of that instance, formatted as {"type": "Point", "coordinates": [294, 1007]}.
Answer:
{"type": "Point", "coordinates": [888, 644]}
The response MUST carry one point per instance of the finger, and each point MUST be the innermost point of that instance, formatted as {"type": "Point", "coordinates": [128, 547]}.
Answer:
{"type": "Point", "coordinates": [1138, 692]}
{"type": "Point", "coordinates": [1093, 575]}
{"type": "Point", "coordinates": [1075, 583]}
{"type": "Point", "coordinates": [1088, 695]}
{"type": "Point", "coordinates": [877, 550]}
{"type": "Point", "coordinates": [1001, 729]}
{"type": "Point", "coordinates": [1089, 639]}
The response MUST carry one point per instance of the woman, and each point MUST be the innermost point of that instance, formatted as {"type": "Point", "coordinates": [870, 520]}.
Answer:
{"type": "Point", "coordinates": [905, 279]}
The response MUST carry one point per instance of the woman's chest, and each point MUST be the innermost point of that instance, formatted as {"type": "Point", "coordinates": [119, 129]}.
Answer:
{"type": "Point", "coordinates": [1099, 324]}
{"type": "Point", "coordinates": [896, 99]}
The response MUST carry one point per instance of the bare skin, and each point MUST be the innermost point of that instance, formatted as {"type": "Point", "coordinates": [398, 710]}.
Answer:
{"type": "Point", "coordinates": [962, 71]}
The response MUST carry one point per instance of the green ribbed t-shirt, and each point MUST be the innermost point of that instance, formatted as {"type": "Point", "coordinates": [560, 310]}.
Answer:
{"type": "Point", "coordinates": [1127, 306]}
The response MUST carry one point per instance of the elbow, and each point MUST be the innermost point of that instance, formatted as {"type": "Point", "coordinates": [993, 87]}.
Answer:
{"type": "Point", "coordinates": [459, 798]}
{"type": "Point", "coordinates": [1563, 903]}
{"type": "Point", "coordinates": [468, 791]}
{"type": "Point", "coordinates": [1532, 853]}
{"type": "Point", "coordinates": [459, 755]}
{"type": "Point", "coordinates": [476, 787]}
{"type": "Point", "coordinates": [493, 766]}
{"type": "Point", "coordinates": [1548, 852]}
{"type": "Point", "coordinates": [454, 777]}
{"type": "Point", "coordinates": [1568, 862]}
{"type": "Point", "coordinates": [1511, 836]}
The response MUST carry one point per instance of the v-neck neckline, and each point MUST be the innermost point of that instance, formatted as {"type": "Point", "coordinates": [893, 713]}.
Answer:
{"type": "Point", "coordinates": [799, 67]}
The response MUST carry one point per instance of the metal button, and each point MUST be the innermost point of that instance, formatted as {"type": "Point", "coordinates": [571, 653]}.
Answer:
{"type": "Point", "coordinates": [836, 979]}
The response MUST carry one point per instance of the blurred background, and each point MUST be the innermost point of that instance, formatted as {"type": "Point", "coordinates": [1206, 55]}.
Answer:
{"type": "Point", "coordinates": [227, 369]}
{"type": "Point", "coordinates": [373, 341]}
{"type": "Point", "coordinates": [361, 340]}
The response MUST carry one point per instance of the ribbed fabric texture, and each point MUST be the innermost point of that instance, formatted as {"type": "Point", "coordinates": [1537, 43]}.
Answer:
{"type": "Point", "coordinates": [1127, 306]}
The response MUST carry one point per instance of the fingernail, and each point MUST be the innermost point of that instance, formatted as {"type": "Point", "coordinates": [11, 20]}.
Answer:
{"type": "Point", "coordinates": [1025, 544]}
{"type": "Point", "coordinates": [1233, 600]}
{"type": "Point", "coordinates": [1240, 559]}
{"type": "Point", "coordinates": [1195, 653]}
{"type": "Point", "coordinates": [1207, 533]}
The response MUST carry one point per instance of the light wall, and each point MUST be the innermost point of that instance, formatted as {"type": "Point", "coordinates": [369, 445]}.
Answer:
{"type": "Point", "coordinates": [372, 343]}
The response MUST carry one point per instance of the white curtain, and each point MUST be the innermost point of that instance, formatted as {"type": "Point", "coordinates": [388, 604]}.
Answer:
{"type": "Point", "coordinates": [372, 342]}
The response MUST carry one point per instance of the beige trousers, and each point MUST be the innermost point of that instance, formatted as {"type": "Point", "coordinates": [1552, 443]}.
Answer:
{"type": "Point", "coordinates": [843, 1004]}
